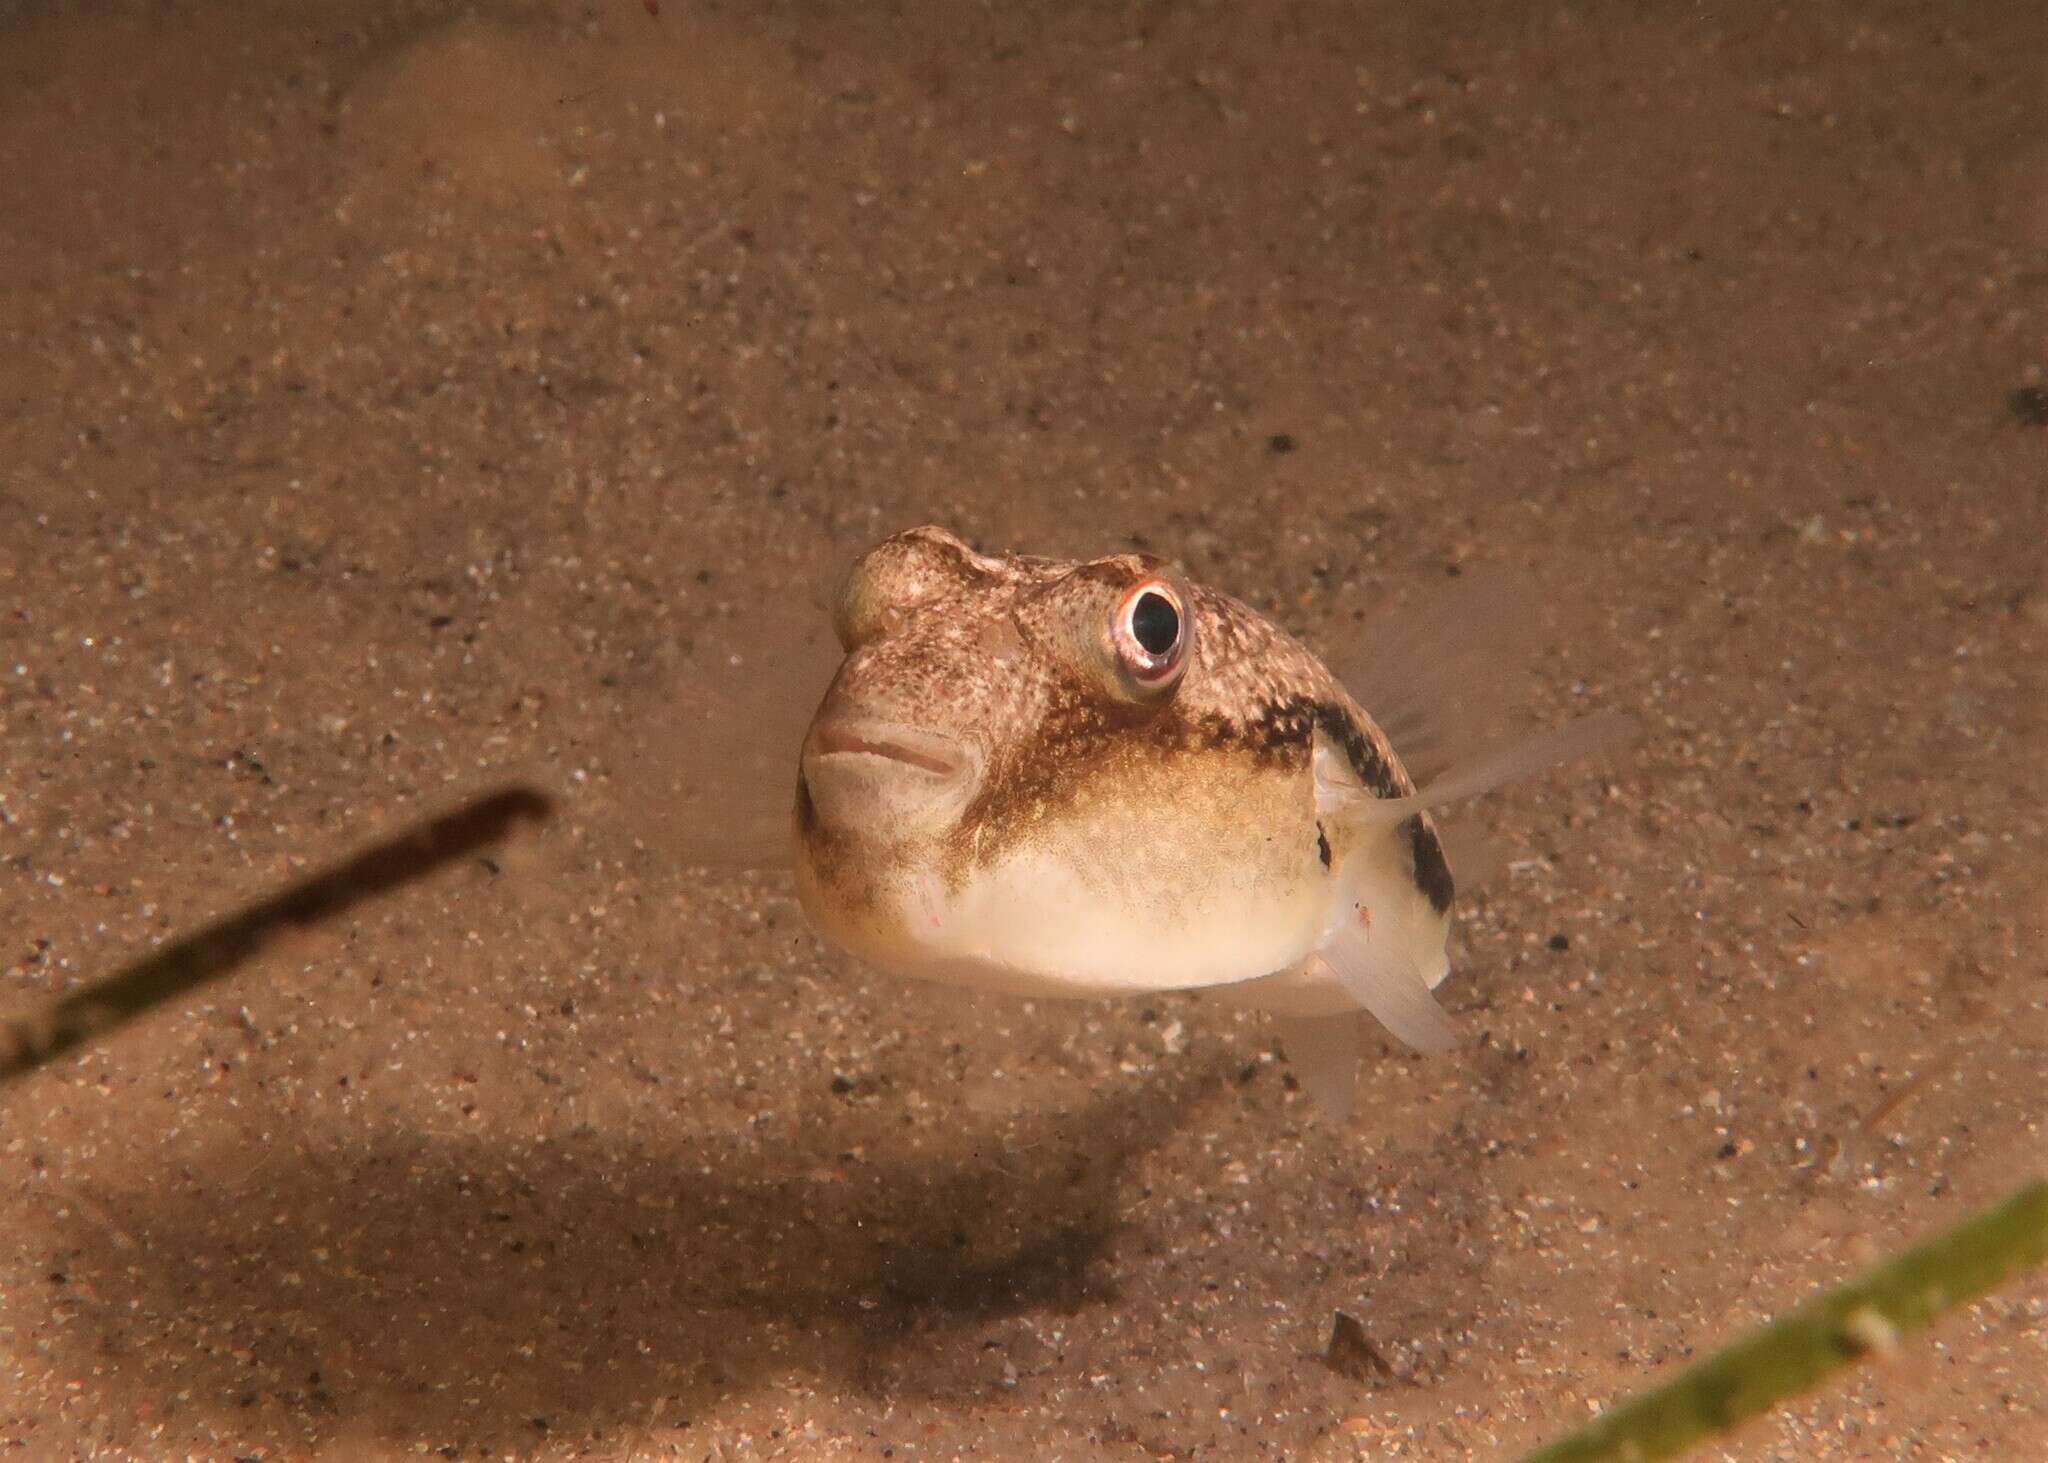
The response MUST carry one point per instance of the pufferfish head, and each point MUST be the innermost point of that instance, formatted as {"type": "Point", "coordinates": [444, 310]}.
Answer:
{"type": "Point", "coordinates": [955, 664]}
{"type": "Point", "coordinates": [1042, 769]}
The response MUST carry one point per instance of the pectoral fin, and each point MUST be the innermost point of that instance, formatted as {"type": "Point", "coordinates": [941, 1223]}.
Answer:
{"type": "Point", "coordinates": [1394, 990]}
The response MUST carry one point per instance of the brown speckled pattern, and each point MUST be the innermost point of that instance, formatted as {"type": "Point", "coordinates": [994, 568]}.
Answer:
{"type": "Point", "coordinates": [601, 336]}
{"type": "Point", "coordinates": [1047, 726]}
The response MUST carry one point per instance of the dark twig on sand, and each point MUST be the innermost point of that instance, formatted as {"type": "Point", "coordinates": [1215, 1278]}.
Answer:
{"type": "Point", "coordinates": [178, 967]}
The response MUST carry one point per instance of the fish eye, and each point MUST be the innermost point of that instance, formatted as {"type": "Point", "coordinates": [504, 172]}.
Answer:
{"type": "Point", "coordinates": [1150, 635]}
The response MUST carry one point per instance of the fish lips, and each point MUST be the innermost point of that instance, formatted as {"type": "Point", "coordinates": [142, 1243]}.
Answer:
{"type": "Point", "coordinates": [870, 775]}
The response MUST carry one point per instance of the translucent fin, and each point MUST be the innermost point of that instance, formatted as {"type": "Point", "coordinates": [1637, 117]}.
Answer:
{"type": "Point", "coordinates": [1475, 855]}
{"type": "Point", "coordinates": [1441, 675]}
{"type": "Point", "coordinates": [1393, 989]}
{"type": "Point", "coordinates": [1324, 1052]}
{"type": "Point", "coordinates": [704, 767]}
{"type": "Point", "coordinates": [1504, 763]}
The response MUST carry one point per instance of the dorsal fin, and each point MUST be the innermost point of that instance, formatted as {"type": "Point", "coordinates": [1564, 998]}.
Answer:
{"type": "Point", "coordinates": [1441, 675]}
{"type": "Point", "coordinates": [1497, 765]}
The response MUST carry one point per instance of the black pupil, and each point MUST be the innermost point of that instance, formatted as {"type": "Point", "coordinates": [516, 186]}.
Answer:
{"type": "Point", "coordinates": [1155, 623]}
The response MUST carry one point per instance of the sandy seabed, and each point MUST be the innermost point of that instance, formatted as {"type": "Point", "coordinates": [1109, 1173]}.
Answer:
{"type": "Point", "coordinates": [398, 398]}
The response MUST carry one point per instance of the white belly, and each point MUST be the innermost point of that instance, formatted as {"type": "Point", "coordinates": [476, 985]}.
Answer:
{"type": "Point", "coordinates": [1035, 926]}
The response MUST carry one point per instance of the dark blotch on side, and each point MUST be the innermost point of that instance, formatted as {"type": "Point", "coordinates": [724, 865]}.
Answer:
{"type": "Point", "coordinates": [1432, 869]}
{"type": "Point", "coordinates": [1375, 771]}
{"type": "Point", "coordinates": [1083, 734]}
{"type": "Point", "coordinates": [1080, 729]}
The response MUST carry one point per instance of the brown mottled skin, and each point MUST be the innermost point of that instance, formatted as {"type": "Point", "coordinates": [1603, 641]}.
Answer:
{"type": "Point", "coordinates": [1002, 652]}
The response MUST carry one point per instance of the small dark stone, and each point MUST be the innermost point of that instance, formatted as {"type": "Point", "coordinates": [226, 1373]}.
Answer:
{"type": "Point", "coordinates": [2029, 406]}
{"type": "Point", "coordinates": [1281, 443]}
{"type": "Point", "coordinates": [440, 622]}
{"type": "Point", "coordinates": [1351, 1352]}
{"type": "Point", "coordinates": [1560, 942]}
{"type": "Point", "coordinates": [842, 1085]}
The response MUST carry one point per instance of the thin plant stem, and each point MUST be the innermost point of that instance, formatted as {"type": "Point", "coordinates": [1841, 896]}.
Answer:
{"type": "Point", "coordinates": [1796, 1352]}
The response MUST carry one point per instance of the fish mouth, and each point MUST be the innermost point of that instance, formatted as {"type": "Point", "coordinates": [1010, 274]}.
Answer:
{"type": "Point", "coordinates": [923, 751]}
{"type": "Point", "coordinates": [882, 782]}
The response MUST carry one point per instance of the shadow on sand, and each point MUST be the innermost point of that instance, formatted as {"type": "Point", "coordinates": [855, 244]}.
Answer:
{"type": "Point", "coordinates": [471, 1294]}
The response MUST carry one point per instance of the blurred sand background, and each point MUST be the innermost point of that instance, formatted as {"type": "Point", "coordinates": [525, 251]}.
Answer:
{"type": "Point", "coordinates": [396, 397]}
